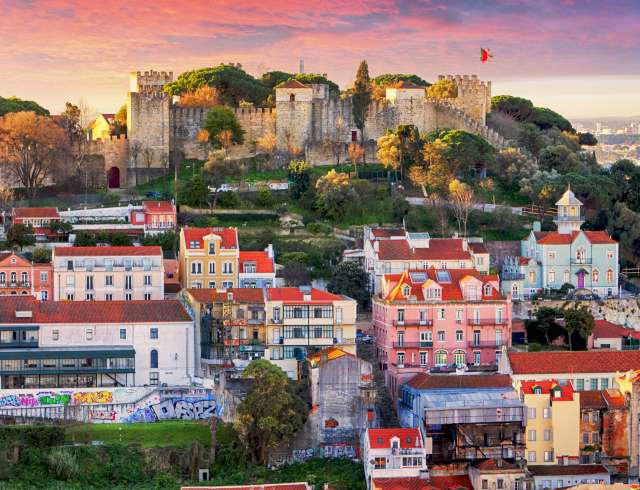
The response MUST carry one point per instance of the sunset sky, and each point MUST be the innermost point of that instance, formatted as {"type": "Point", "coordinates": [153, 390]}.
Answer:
{"type": "Point", "coordinates": [581, 57]}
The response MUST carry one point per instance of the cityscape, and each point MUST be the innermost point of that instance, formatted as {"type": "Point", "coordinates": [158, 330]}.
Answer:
{"type": "Point", "coordinates": [256, 246]}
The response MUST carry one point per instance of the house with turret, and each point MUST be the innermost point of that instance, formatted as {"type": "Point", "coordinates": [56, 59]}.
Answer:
{"type": "Point", "coordinates": [586, 260]}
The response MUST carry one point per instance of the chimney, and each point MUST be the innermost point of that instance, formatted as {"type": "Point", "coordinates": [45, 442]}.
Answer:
{"type": "Point", "coordinates": [269, 251]}
{"type": "Point", "coordinates": [376, 245]}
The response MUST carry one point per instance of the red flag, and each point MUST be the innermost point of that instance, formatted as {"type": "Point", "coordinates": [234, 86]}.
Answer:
{"type": "Point", "coordinates": [485, 55]}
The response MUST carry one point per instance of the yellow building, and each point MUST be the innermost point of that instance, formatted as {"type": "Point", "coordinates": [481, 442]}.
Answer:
{"type": "Point", "coordinates": [209, 258]}
{"type": "Point", "coordinates": [553, 422]}
{"type": "Point", "coordinates": [302, 321]}
{"type": "Point", "coordinates": [101, 127]}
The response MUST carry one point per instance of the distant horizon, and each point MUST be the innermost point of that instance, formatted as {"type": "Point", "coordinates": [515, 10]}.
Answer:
{"type": "Point", "coordinates": [581, 59]}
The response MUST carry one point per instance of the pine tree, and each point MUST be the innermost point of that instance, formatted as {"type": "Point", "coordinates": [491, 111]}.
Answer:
{"type": "Point", "coordinates": [361, 98]}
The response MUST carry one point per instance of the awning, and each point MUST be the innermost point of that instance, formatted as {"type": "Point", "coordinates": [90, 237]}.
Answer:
{"type": "Point", "coordinates": [68, 352]}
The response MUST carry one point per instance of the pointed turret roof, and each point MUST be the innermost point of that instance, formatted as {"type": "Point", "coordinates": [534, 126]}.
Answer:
{"type": "Point", "coordinates": [568, 198]}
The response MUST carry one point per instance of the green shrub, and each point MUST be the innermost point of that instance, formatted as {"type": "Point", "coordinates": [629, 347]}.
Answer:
{"type": "Point", "coordinates": [316, 227]}
{"type": "Point", "coordinates": [228, 199]}
{"type": "Point", "coordinates": [62, 464]}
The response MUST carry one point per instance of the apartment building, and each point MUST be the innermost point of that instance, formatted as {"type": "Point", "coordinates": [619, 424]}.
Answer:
{"type": "Point", "coordinates": [439, 320]}
{"type": "Point", "coordinates": [108, 273]}
{"type": "Point", "coordinates": [47, 344]}
{"type": "Point", "coordinates": [155, 217]}
{"type": "Point", "coordinates": [209, 258]}
{"type": "Point", "coordinates": [19, 276]}
{"type": "Point", "coordinates": [302, 321]}
{"type": "Point", "coordinates": [257, 268]}
{"type": "Point", "coordinates": [553, 422]}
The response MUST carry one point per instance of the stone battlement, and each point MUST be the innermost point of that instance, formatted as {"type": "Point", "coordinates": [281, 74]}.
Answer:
{"type": "Point", "coordinates": [467, 83]}
{"type": "Point", "coordinates": [149, 81]}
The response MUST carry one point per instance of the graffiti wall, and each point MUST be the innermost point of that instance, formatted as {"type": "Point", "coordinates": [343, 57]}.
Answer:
{"type": "Point", "coordinates": [341, 450]}
{"type": "Point", "coordinates": [108, 405]}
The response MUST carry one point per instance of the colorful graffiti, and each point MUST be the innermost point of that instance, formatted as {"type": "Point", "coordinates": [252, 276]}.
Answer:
{"type": "Point", "coordinates": [342, 450]}
{"type": "Point", "coordinates": [337, 434]}
{"type": "Point", "coordinates": [103, 415]}
{"type": "Point", "coordinates": [48, 398]}
{"type": "Point", "coordinates": [176, 409]}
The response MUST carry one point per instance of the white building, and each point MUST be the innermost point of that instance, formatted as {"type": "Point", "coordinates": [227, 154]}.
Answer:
{"type": "Point", "coordinates": [107, 273]}
{"type": "Point", "coordinates": [394, 454]}
{"type": "Point", "coordinates": [92, 344]}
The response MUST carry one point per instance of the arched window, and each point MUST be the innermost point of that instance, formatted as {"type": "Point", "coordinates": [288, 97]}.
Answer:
{"type": "Point", "coordinates": [292, 97]}
{"type": "Point", "coordinates": [24, 277]}
{"type": "Point", "coordinates": [514, 290]}
{"type": "Point", "coordinates": [609, 276]}
{"type": "Point", "coordinates": [406, 290]}
{"type": "Point", "coordinates": [595, 275]}
{"type": "Point", "coordinates": [459, 358]}
{"type": "Point", "coordinates": [154, 359]}
{"type": "Point", "coordinates": [441, 358]}
{"type": "Point", "coordinates": [3, 277]}
{"type": "Point", "coordinates": [487, 289]}
{"type": "Point", "coordinates": [532, 277]}
{"type": "Point", "coordinates": [13, 277]}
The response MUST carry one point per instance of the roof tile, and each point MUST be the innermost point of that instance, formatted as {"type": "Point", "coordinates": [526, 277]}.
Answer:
{"type": "Point", "coordinates": [106, 251]}
{"type": "Point", "coordinates": [559, 362]}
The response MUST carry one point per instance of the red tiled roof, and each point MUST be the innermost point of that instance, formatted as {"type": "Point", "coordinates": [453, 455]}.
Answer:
{"type": "Point", "coordinates": [90, 311]}
{"type": "Point", "coordinates": [20, 261]}
{"type": "Point", "coordinates": [558, 362]}
{"type": "Point", "coordinates": [495, 465]}
{"type": "Point", "coordinates": [264, 263]}
{"type": "Point", "coordinates": [296, 295]}
{"type": "Point", "coordinates": [106, 251]}
{"type": "Point", "coordinates": [556, 238]}
{"type": "Point", "coordinates": [292, 84]}
{"type": "Point", "coordinates": [158, 207]}
{"type": "Point", "coordinates": [229, 236]}
{"type": "Point", "coordinates": [546, 386]}
{"type": "Point", "coordinates": [593, 399]}
{"type": "Point", "coordinates": [387, 232]}
{"type": "Point", "coordinates": [452, 482]}
{"type": "Point", "coordinates": [240, 295]}
{"type": "Point", "coordinates": [571, 469]}
{"type": "Point", "coordinates": [451, 291]}
{"type": "Point", "coordinates": [35, 213]}
{"type": "Point", "coordinates": [604, 329]}
{"type": "Point", "coordinates": [423, 381]}
{"type": "Point", "coordinates": [478, 248]}
{"type": "Point", "coordinates": [439, 249]}
{"type": "Point", "coordinates": [257, 486]}
{"type": "Point", "coordinates": [614, 398]}
{"type": "Point", "coordinates": [524, 260]}
{"type": "Point", "coordinates": [381, 438]}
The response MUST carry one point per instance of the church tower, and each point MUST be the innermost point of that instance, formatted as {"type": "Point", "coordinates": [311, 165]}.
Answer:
{"type": "Point", "coordinates": [569, 216]}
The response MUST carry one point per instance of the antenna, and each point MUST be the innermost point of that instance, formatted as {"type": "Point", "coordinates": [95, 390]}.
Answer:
{"type": "Point", "coordinates": [301, 68]}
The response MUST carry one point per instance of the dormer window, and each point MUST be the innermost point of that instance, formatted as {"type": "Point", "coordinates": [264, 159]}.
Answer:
{"type": "Point", "coordinates": [537, 390]}
{"type": "Point", "coordinates": [292, 97]}
{"type": "Point", "coordinates": [193, 244]}
{"type": "Point", "coordinates": [406, 290]}
{"type": "Point", "coordinates": [487, 289]}
{"type": "Point", "coordinates": [212, 248]}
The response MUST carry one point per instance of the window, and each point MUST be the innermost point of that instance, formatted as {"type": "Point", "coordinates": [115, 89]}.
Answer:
{"type": "Point", "coordinates": [108, 265]}
{"type": "Point", "coordinates": [212, 248]}
{"type": "Point", "coordinates": [459, 315]}
{"type": "Point", "coordinates": [154, 379]}
{"type": "Point", "coordinates": [551, 255]}
{"type": "Point", "coordinates": [548, 456]}
{"type": "Point", "coordinates": [459, 358]}
{"type": "Point", "coordinates": [147, 296]}
{"type": "Point", "coordinates": [69, 296]}
{"type": "Point", "coordinates": [69, 265]}
{"type": "Point", "coordinates": [108, 280]}
{"type": "Point", "coordinates": [609, 276]}
{"type": "Point", "coordinates": [459, 336]}
{"type": "Point", "coordinates": [485, 484]}
{"type": "Point", "coordinates": [88, 283]}
{"type": "Point", "coordinates": [123, 334]}
{"type": "Point", "coordinates": [227, 284]}
{"type": "Point", "coordinates": [585, 437]}
{"type": "Point", "coordinates": [212, 267]}
{"type": "Point", "coordinates": [88, 333]}
{"type": "Point", "coordinates": [566, 277]}
{"type": "Point", "coordinates": [487, 289]}
{"type": "Point", "coordinates": [128, 282]}
{"type": "Point", "coordinates": [128, 297]}
{"type": "Point", "coordinates": [532, 277]}
{"type": "Point", "coordinates": [548, 435]}
{"type": "Point", "coordinates": [531, 435]}
{"type": "Point", "coordinates": [89, 297]}
{"type": "Point", "coordinates": [595, 275]}
{"type": "Point", "coordinates": [595, 417]}
{"type": "Point", "coordinates": [476, 358]}
{"type": "Point", "coordinates": [55, 335]}
{"type": "Point", "coordinates": [546, 413]}
{"type": "Point", "coordinates": [13, 277]}
{"type": "Point", "coordinates": [441, 314]}
{"type": "Point", "coordinates": [476, 337]}
{"type": "Point", "coordinates": [400, 315]}
{"type": "Point", "coordinates": [227, 268]}
{"type": "Point", "coordinates": [426, 336]}
{"type": "Point", "coordinates": [500, 482]}
{"type": "Point", "coordinates": [212, 284]}
{"type": "Point", "coordinates": [379, 463]}
{"type": "Point", "coordinates": [147, 280]}
{"type": "Point", "coordinates": [604, 383]}
{"type": "Point", "coordinates": [441, 358]}
{"type": "Point", "coordinates": [552, 276]}
{"type": "Point", "coordinates": [400, 338]}
{"type": "Point", "coordinates": [406, 290]}
{"type": "Point", "coordinates": [108, 297]}
{"type": "Point", "coordinates": [153, 332]}
{"type": "Point", "coordinates": [71, 281]}
{"type": "Point", "coordinates": [594, 383]}
{"type": "Point", "coordinates": [400, 359]}
{"type": "Point", "coordinates": [423, 358]}
{"type": "Point", "coordinates": [609, 254]}
{"type": "Point", "coordinates": [196, 267]}
{"type": "Point", "coordinates": [24, 278]}
{"type": "Point", "coordinates": [276, 314]}
{"type": "Point", "coordinates": [580, 384]}
{"type": "Point", "coordinates": [595, 437]}
{"type": "Point", "coordinates": [194, 244]}
{"type": "Point", "coordinates": [3, 277]}
{"type": "Point", "coordinates": [440, 335]}
{"type": "Point", "coordinates": [153, 361]}
{"type": "Point", "coordinates": [532, 413]}
{"type": "Point", "coordinates": [531, 457]}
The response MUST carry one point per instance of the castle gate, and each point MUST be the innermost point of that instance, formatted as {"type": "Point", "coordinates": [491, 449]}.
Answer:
{"type": "Point", "coordinates": [113, 178]}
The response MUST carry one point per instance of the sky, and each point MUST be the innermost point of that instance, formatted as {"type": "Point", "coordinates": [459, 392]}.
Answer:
{"type": "Point", "coordinates": [578, 57]}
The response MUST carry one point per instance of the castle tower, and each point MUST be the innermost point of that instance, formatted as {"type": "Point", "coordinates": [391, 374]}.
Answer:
{"type": "Point", "coordinates": [294, 113]}
{"type": "Point", "coordinates": [569, 216]}
{"type": "Point", "coordinates": [148, 124]}
{"type": "Point", "coordinates": [474, 96]}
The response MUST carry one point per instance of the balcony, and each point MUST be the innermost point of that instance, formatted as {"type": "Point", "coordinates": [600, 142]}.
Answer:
{"type": "Point", "coordinates": [408, 365]}
{"type": "Point", "coordinates": [276, 320]}
{"type": "Point", "coordinates": [568, 218]}
{"type": "Point", "coordinates": [486, 322]}
{"type": "Point", "coordinates": [412, 323]}
{"type": "Point", "coordinates": [255, 321]}
{"type": "Point", "coordinates": [509, 276]}
{"type": "Point", "coordinates": [481, 344]}
{"type": "Point", "coordinates": [580, 261]}
{"type": "Point", "coordinates": [427, 344]}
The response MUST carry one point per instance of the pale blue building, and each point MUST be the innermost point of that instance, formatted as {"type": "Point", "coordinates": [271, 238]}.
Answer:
{"type": "Point", "coordinates": [588, 260]}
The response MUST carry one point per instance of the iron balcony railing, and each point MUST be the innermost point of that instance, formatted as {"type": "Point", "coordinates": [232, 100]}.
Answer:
{"type": "Point", "coordinates": [508, 276]}
{"type": "Point", "coordinates": [486, 322]}
{"type": "Point", "coordinates": [406, 365]}
{"type": "Point", "coordinates": [568, 218]}
{"type": "Point", "coordinates": [413, 345]}
{"type": "Point", "coordinates": [581, 260]}
{"type": "Point", "coordinates": [487, 343]}
{"type": "Point", "coordinates": [413, 323]}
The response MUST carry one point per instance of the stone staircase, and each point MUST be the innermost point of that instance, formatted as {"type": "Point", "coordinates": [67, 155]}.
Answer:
{"type": "Point", "coordinates": [385, 408]}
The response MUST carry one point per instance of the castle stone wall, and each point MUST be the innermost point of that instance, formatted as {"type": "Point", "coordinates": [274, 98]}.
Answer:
{"type": "Point", "coordinates": [187, 121]}
{"type": "Point", "coordinates": [256, 122]}
{"type": "Point", "coordinates": [149, 124]}
{"type": "Point", "coordinates": [115, 152]}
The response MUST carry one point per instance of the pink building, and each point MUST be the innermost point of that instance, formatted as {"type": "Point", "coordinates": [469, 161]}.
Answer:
{"type": "Point", "coordinates": [155, 216]}
{"type": "Point", "coordinates": [438, 320]}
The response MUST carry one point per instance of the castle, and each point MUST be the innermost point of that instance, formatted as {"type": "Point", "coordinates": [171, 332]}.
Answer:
{"type": "Point", "coordinates": [162, 132]}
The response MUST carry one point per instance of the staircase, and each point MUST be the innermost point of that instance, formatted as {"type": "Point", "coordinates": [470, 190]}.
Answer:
{"type": "Point", "coordinates": [385, 408]}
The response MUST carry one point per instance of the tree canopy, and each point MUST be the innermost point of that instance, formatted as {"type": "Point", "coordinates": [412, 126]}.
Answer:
{"type": "Point", "coordinates": [390, 78]}
{"type": "Point", "coordinates": [221, 119]}
{"type": "Point", "coordinates": [14, 104]}
{"type": "Point", "coordinates": [523, 111]}
{"type": "Point", "coordinates": [350, 279]}
{"type": "Point", "coordinates": [361, 98]}
{"type": "Point", "coordinates": [467, 153]}
{"type": "Point", "coordinates": [443, 89]}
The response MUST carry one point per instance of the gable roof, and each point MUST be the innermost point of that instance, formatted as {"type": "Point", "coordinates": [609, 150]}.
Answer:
{"type": "Point", "coordinates": [381, 438]}
{"type": "Point", "coordinates": [106, 251]}
{"type": "Point", "coordinates": [264, 263]}
{"type": "Point", "coordinates": [559, 362]}
{"type": "Point", "coordinates": [604, 329]}
{"type": "Point", "coordinates": [240, 295]}
{"type": "Point", "coordinates": [424, 381]}
{"type": "Point", "coordinates": [570, 469]}
{"type": "Point", "coordinates": [296, 295]}
{"type": "Point", "coordinates": [497, 465]}
{"type": "Point", "coordinates": [93, 312]}
{"type": "Point", "coordinates": [257, 486]}
{"type": "Point", "coordinates": [592, 399]}
{"type": "Point", "coordinates": [293, 83]}
{"type": "Point", "coordinates": [229, 236]}
{"type": "Point", "coordinates": [547, 387]}
{"type": "Point", "coordinates": [20, 261]}
{"type": "Point", "coordinates": [158, 207]}
{"type": "Point", "coordinates": [35, 213]}
{"type": "Point", "coordinates": [439, 249]}
{"type": "Point", "coordinates": [478, 248]}
{"type": "Point", "coordinates": [557, 238]}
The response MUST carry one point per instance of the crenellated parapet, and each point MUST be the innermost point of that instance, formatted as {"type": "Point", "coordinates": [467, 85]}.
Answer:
{"type": "Point", "coordinates": [149, 82]}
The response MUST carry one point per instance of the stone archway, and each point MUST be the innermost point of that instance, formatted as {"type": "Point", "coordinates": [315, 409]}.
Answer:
{"type": "Point", "coordinates": [113, 178]}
